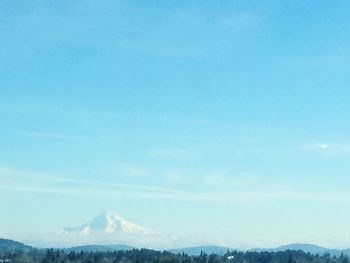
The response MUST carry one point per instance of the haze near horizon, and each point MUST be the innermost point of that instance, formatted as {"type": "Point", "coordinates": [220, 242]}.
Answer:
{"type": "Point", "coordinates": [219, 122]}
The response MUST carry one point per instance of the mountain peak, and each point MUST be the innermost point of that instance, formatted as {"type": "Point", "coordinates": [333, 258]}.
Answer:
{"type": "Point", "coordinates": [111, 228]}
{"type": "Point", "coordinates": [109, 213]}
{"type": "Point", "coordinates": [107, 222]}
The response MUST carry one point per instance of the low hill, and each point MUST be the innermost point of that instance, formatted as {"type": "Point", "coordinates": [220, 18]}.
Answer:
{"type": "Point", "coordinates": [7, 245]}
{"type": "Point", "coordinates": [308, 248]}
{"type": "Point", "coordinates": [312, 249]}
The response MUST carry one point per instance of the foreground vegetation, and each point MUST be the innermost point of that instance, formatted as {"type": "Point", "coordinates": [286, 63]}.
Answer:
{"type": "Point", "coordinates": [148, 256]}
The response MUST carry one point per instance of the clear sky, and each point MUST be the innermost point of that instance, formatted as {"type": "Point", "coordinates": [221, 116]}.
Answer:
{"type": "Point", "coordinates": [225, 122]}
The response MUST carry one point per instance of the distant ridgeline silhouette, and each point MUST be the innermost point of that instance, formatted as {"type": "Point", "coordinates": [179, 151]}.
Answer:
{"type": "Point", "coordinates": [13, 251]}
{"type": "Point", "coordinates": [8, 245]}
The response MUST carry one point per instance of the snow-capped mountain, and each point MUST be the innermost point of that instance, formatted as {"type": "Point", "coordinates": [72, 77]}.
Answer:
{"type": "Point", "coordinates": [111, 228]}
{"type": "Point", "coordinates": [108, 223]}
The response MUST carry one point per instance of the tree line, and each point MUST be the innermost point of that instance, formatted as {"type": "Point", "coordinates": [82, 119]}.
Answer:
{"type": "Point", "coordinates": [154, 256]}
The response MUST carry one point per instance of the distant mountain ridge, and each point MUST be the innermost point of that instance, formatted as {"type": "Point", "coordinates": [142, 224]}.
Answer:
{"type": "Point", "coordinates": [9, 245]}
{"type": "Point", "coordinates": [308, 248]}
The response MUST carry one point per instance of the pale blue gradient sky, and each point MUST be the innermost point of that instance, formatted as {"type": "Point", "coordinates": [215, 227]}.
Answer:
{"type": "Point", "coordinates": [231, 117]}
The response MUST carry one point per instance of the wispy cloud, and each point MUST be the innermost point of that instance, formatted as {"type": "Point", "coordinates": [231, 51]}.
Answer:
{"type": "Point", "coordinates": [223, 179]}
{"type": "Point", "coordinates": [317, 146]}
{"type": "Point", "coordinates": [329, 149]}
{"type": "Point", "coordinates": [9, 182]}
{"type": "Point", "coordinates": [135, 171]}
{"type": "Point", "coordinates": [175, 178]}
{"type": "Point", "coordinates": [170, 153]}
{"type": "Point", "coordinates": [220, 197]}
{"type": "Point", "coordinates": [51, 136]}
{"type": "Point", "coordinates": [34, 177]}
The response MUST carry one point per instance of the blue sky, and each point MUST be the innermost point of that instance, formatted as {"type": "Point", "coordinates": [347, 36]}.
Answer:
{"type": "Point", "coordinates": [228, 119]}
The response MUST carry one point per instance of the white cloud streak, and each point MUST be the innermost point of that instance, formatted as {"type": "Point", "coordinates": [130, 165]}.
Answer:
{"type": "Point", "coordinates": [223, 197]}
{"type": "Point", "coordinates": [329, 149]}
{"type": "Point", "coordinates": [51, 136]}
{"type": "Point", "coordinates": [99, 189]}
{"type": "Point", "coordinates": [170, 153]}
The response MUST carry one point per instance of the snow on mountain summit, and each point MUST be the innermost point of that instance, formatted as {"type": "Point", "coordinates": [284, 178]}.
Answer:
{"type": "Point", "coordinates": [111, 228]}
{"type": "Point", "coordinates": [108, 223]}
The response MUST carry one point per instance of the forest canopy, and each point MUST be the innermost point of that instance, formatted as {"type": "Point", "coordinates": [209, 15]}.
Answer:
{"type": "Point", "coordinates": [153, 256]}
